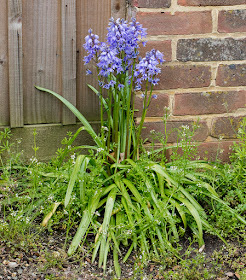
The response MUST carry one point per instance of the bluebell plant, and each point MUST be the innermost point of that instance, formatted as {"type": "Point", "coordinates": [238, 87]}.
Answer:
{"type": "Point", "coordinates": [122, 72]}
{"type": "Point", "coordinates": [142, 203]}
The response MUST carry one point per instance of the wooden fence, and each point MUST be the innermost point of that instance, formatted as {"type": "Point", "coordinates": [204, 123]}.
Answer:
{"type": "Point", "coordinates": [41, 44]}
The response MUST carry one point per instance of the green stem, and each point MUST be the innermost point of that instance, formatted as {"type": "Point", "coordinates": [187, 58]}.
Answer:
{"type": "Point", "coordinates": [129, 111]}
{"type": "Point", "coordinates": [145, 108]}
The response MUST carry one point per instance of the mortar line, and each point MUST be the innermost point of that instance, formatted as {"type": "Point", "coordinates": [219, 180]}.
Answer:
{"type": "Point", "coordinates": [178, 8]}
{"type": "Point", "coordinates": [195, 117]}
{"type": "Point", "coordinates": [215, 16]}
{"type": "Point", "coordinates": [235, 35]}
{"type": "Point", "coordinates": [174, 49]}
{"type": "Point", "coordinates": [199, 90]}
{"type": "Point", "coordinates": [173, 7]}
{"type": "Point", "coordinates": [203, 63]}
{"type": "Point", "coordinates": [214, 70]}
{"type": "Point", "coordinates": [171, 104]}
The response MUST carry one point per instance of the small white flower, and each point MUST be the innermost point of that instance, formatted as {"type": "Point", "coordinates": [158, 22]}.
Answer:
{"type": "Point", "coordinates": [50, 197]}
{"type": "Point", "coordinates": [97, 213]}
{"type": "Point", "coordinates": [105, 128]}
{"type": "Point", "coordinates": [33, 160]}
{"type": "Point", "coordinates": [99, 150]}
{"type": "Point", "coordinates": [173, 167]}
{"type": "Point", "coordinates": [185, 127]}
{"type": "Point", "coordinates": [73, 156]}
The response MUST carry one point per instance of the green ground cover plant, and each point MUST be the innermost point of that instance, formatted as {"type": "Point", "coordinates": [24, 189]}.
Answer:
{"type": "Point", "coordinates": [128, 197]}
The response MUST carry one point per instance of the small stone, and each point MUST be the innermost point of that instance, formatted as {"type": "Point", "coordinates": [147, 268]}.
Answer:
{"type": "Point", "coordinates": [12, 264]}
{"type": "Point", "coordinates": [229, 274]}
{"type": "Point", "coordinates": [56, 254]}
{"type": "Point", "coordinates": [19, 270]}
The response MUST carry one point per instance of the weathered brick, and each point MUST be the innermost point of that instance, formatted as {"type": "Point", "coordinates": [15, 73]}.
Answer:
{"type": "Point", "coordinates": [231, 75]}
{"type": "Point", "coordinates": [152, 3]}
{"type": "Point", "coordinates": [156, 107]}
{"type": "Point", "coordinates": [172, 126]}
{"type": "Point", "coordinates": [181, 23]}
{"type": "Point", "coordinates": [211, 2]}
{"type": "Point", "coordinates": [163, 46]}
{"type": "Point", "coordinates": [208, 49]}
{"type": "Point", "coordinates": [225, 127]}
{"type": "Point", "coordinates": [201, 103]}
{"type": "Point", "coordinates": [184, 76]}
{"type": "Point", "coordinates": [232, 21]}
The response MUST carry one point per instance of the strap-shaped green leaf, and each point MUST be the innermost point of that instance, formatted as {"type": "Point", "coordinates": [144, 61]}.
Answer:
{"type": "Point", "coordinates": [76, 112]}
{"type": "Point", "coordinates": [84, 224]}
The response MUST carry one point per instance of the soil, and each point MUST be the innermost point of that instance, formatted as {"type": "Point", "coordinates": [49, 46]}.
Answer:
{"type": "Point", "coordinates": [45, 258]}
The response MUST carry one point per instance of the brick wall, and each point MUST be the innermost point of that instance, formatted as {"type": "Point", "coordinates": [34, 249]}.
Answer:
{"type": "Point", "coordinates": [204, 42]}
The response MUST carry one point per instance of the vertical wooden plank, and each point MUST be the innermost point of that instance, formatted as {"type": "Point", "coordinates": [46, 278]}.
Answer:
{"type": "Point", "coordinates": [118, 9]}
{"type": "Point", "coordinates": [42, 60]}
{"type": "Point", "coordinates": [4, 98]}
{"type": "Point", "coordinates": [15, 62]}
{"type": "Point", "coordinates": [90, 14]}
{"type": "Point", "coordinates": [68, 58]}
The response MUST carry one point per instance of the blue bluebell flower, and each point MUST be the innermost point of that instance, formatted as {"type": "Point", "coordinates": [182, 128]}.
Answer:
{"type": "Point", "coordinates": [124, 38]}
{"type": "Point", "coordinates": [88, 72]}
{"type": "Point", "coordinates": [120, 86]}
{"type": "Point", "coordinates": [120, 53]}
{"type": "Point", "coordinates": [146, 69]}
{"type": "Point", "coordinates": [92, 46]}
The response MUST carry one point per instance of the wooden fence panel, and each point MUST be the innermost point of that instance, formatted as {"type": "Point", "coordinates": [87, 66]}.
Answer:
{"type": "Point", "coordinates": [42, 60]}
{"type": "Point", "coordinates": [68, 58]}
{"type": "Point", "coordinates": [41, 43]}
{"type": "Point", "coordinates": [15, 62]}
{"type": "Point", "coordinates": [4, 98]}
{"type": "Point", "coordinates": [90, 14]}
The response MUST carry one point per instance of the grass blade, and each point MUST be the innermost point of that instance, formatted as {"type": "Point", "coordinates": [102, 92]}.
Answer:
{"type": "Point", "coordinates": [116, 262]}
{"type": "Point", "coordinates": [73, 178]}
{"type": "Point", "coordinates": [107, 215]}
{"type": "Point", "coordinates": [84, 224]}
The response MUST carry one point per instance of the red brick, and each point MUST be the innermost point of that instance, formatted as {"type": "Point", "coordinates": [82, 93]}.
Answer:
{"type": "Point", "coordinates": [225, 127]}
{"type": "Point", "coordinates": [184, 76]}
{"type": "Point", "coordinates": [152, 3]}
{"type": "Point", "coordinates": [231, 75]}
{"type": "Point", "coordinates": [181, 23]}
{"type": "Point", "coordinates": [172, 126]}
{"type": "Point", "coordinates": [214, 151]}
{"type": "Point", "coordinates": [211, 2]}
{"type": "Point", "coordinates": [163, 46]}
{"type": "Point", "coordinates": [201, 103]}
{"type": "Point", "coordinates": [156, 107]}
